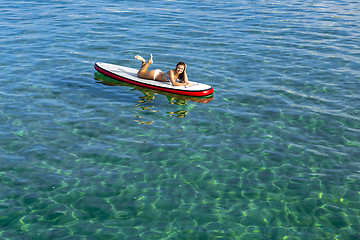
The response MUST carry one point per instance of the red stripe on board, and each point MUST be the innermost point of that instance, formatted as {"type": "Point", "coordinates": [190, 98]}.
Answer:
{"type": "Point", "coordinates": [175, 91]}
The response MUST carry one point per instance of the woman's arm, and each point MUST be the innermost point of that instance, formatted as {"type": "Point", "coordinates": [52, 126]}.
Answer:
{"type": "Point", "coordinates": [173, 80]}
{"type": "Point", "coordinates": [186, 79]}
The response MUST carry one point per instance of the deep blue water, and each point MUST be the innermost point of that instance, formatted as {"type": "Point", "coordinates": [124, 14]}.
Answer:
{"type": "Point", "coordinates": [274, 154]}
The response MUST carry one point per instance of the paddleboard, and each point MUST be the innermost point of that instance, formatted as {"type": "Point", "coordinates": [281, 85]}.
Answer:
{"type": "Point", "coordinates": [129, 75]}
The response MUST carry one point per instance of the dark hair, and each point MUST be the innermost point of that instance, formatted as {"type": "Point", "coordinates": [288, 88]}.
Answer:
{"type": "Point", "coordinates": [181, 76]}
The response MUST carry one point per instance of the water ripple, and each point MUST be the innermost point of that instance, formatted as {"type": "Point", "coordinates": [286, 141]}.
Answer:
{"type": "Point", "coordinates": [272, 155]}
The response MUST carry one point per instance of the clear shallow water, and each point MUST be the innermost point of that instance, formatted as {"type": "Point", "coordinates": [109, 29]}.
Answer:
{"type": "Point", "coordinates": [274, 154]}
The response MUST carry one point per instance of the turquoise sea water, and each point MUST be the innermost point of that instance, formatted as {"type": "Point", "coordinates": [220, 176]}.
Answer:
{"type": "Point", "coordinates": [273, 155]}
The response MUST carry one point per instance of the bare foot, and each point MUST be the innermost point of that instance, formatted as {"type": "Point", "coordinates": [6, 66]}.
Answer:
{"type": "Point", "coordinates": [140, 58]}
{"type": "Point", "coordinates": [150, 59]}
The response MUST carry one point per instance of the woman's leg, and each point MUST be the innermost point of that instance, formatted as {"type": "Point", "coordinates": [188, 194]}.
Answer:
{"type": "Point", "coordinates": [143, 72]}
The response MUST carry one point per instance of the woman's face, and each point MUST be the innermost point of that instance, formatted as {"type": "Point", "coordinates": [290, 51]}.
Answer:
{"type": "Point", "coordinates": [180, 69]}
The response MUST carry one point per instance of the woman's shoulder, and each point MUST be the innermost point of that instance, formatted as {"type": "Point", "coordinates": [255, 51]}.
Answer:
{"type": "Point", "coordinates": [170, 72]}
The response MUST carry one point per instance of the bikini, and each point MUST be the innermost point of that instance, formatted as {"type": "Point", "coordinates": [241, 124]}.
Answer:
{"type": "Point", "coordinates": [157, 71]}
{"type": "Point", "coordinates": [168, 78]}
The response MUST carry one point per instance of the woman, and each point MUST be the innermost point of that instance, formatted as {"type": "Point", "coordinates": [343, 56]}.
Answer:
{"type": "Point", "coordinates": [177, 76]}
